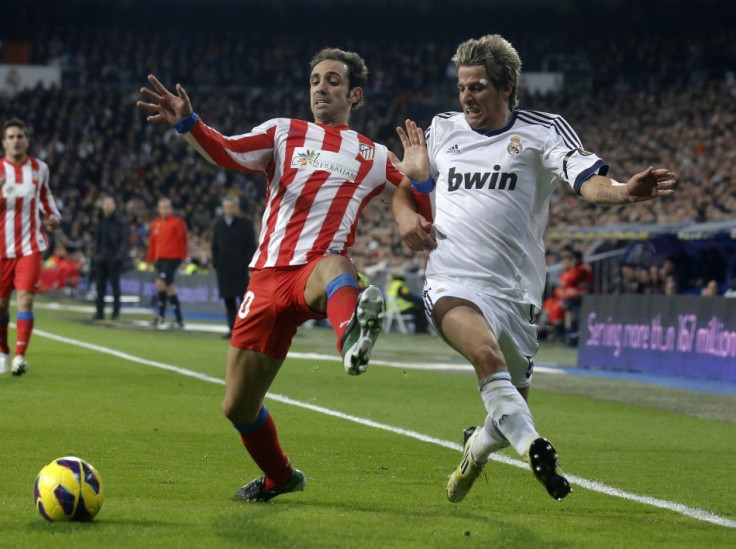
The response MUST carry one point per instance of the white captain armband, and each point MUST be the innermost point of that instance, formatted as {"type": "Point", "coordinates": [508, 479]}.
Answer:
{"type": "Point", "coordinates": [424, 187]}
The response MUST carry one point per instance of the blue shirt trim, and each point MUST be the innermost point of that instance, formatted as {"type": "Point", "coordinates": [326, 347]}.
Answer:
{"type": "Point", "coordinates": [489, 133]}
{"type": "Point", "coordinates": [599, 168]}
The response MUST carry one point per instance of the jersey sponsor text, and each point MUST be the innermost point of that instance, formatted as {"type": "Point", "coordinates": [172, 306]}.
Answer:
{"type": "Point", "coordinates": [477, 180]}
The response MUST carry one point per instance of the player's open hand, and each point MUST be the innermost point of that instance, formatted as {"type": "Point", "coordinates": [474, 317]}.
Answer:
{"type": "Point", "coordinates": [165, 106]}
{"type": "Point", "coordinates": [651, 183]}
{"type": "Point", "coordinates": [415, 164]}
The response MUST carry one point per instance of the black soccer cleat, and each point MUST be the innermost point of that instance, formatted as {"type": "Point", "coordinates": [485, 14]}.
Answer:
{"type": "Point", "coordinates": [255, 490]}
{"type": "Point", "coordinates": [543, 462]}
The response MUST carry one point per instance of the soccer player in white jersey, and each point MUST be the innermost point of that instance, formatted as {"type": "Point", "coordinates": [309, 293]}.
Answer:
{"type": "Point", "coordinates": [492, 168]}
{"type": "Point", "coordinates": [26, 197]}
{"type": "Point", "coordinates": [320, 176]}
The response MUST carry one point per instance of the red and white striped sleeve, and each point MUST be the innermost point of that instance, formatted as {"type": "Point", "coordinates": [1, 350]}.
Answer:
{"type": "Point", "coordinates": [46, 201]}
{"type": "Point", "coordinates": [250, 152]}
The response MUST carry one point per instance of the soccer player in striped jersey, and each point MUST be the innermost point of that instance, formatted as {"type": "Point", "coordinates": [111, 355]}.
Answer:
{"type": "Point", "coordinates": [26, 198]}
{"type": "Point", "coordinates": [321, 175]}
{"type": "Point", "coordinates": [491, 169]}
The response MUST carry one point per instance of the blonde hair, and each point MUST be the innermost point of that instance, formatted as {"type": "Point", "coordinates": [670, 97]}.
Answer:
{"type": "Point", "coordinates": [498, 56]}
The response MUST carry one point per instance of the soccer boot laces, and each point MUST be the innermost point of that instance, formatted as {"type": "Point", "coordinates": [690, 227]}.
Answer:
{"type": "Point", "coordinates": [363, 330]}
{"type": "Point", "coordinates": [462, 478]}
{"type": "Point", "coordinates": [255, 490]}
{"type": "Point", "coordinates": [543, 463]}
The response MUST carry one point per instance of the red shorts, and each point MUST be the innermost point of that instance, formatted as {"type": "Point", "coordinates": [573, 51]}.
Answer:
{"type": "Point", "coordinates": [273, 308]}
{"type": "Point", "coordinates": [21, 273]}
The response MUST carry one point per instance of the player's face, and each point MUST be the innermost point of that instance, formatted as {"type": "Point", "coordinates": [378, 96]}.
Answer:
{"type": "Point", "coordinates": [485, 107]}
{"type": "Point", "coordinates": [164, 208]}
{"type": "Point", "coordinates": [108, 206]}
{"type": "Point", "coordinates": [15, 143]}
{"type": "Point", "coordinates": [229, 209]}
{"type": "Point", "coordinates": [329, 92]}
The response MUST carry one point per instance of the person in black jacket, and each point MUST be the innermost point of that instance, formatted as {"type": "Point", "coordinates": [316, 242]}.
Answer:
{"type": "Point", "coordinates": [111, 249]}
{"type": "Point", "coordinates": [233, 246]}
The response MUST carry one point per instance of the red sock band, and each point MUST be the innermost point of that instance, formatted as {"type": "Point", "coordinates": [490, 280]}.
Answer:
{"type": "Point", "coordinates": [340, 309]}
{"type": "Point", "coordinates": [264, 447]}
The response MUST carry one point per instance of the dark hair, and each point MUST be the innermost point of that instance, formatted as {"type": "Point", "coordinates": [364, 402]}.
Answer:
{"type": "Point", "coordinates": [357, 69]}
{"type": "Point", "coordinates": [14, 123]}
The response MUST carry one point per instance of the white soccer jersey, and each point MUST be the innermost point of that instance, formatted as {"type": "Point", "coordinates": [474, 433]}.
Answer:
{"type": "Point", "coordinates": [320, 178]}
{"type": "Point", "coordinates": [25, 194]}
{"type": "Point", "coordinates": [492, 198]}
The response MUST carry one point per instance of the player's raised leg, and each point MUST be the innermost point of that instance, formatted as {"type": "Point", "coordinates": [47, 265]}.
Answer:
{"type": "Point", "coordinates": [249, 375]}
{"type": "Point", "coordinates": [356, 317]}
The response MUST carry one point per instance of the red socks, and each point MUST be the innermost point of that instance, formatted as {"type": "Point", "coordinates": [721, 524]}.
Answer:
{"type": "Point", "coordinates": [24, 327]}
{"type": "Point", "coordinates": [262, 442]}
{"type": "Point", "coordinates": [340, 309]}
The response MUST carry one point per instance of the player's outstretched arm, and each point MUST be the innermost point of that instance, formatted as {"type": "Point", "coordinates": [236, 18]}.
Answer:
{"type": "Point", "coordinates": [164, 106]}
{"type": "Point", "coordinates": [415, 163]}
{"type": "Point", "coordinates": [646, 185]}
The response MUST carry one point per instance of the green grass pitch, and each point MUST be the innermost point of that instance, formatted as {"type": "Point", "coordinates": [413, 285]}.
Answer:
{"type": "Point", "coordinates": [171, 462]}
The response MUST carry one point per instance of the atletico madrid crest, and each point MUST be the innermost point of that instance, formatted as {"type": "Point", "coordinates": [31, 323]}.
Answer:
{"type": "Point", "coordinates": [367, 151]}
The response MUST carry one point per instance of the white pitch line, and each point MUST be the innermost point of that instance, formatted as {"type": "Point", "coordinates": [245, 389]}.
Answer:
{"type": "Point", "coordinates": [433, 367]}
{"type": "Point", "coordinates": [699, 514]}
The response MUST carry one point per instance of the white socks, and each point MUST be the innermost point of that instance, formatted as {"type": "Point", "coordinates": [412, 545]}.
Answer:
{"type": "Point", "coordinates": [509, 420]}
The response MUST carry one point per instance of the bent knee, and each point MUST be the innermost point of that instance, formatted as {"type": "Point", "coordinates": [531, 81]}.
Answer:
{"type": "Point", "coordinates": [239, 412]}
{"type": "Point", "coordinates": [488, 356]}
{"type": "Point", "coordinates": [228, 409]}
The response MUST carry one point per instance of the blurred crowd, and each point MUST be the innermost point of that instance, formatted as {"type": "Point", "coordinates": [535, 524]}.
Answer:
{"type": "Point", "coordinates": [636, 100]}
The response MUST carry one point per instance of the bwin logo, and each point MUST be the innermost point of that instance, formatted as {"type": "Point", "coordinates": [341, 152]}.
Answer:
{"type": "Point", "coordinates": [477, 180]}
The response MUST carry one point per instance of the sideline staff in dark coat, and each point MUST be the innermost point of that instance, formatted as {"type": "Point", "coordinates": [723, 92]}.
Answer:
{"type": "Point", "coordinates": [112, 243]}
{"type": "Point", "coordinates": [233, 246]}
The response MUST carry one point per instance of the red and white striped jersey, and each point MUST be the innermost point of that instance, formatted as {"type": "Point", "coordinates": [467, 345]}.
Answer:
{"type": "Point", "coordinates": [320, 178]}
{"type": "Point", "coordinates": [25, 195]}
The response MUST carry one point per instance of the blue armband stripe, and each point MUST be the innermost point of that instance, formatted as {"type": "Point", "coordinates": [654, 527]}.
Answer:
{"type": "Point", "coordinates": [187, 123]}
{"type": "Point", "coordinates": [423, 187]}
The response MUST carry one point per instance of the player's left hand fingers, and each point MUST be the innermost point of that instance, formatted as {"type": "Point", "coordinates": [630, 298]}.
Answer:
{"type": "Point", "coordinates": [416, 135]}
{"type": "Point", "coordinates": [160, 88]}
{"type": "Point", "coordinates": [403, 137]}
{"type": "Point", "coordinates": [147, 106]}
{"type": "Point", "coordinates": [660, 172]}
{"type": "Point", "coordinates": [151, 95]}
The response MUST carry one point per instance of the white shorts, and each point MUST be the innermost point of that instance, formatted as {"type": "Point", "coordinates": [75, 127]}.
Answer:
{"type": "Point", "coordinates": [512, 323]}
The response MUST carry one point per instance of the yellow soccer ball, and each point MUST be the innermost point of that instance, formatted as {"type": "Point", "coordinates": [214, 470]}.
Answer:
{"type": "Point", "coordinates": [68, 488]}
